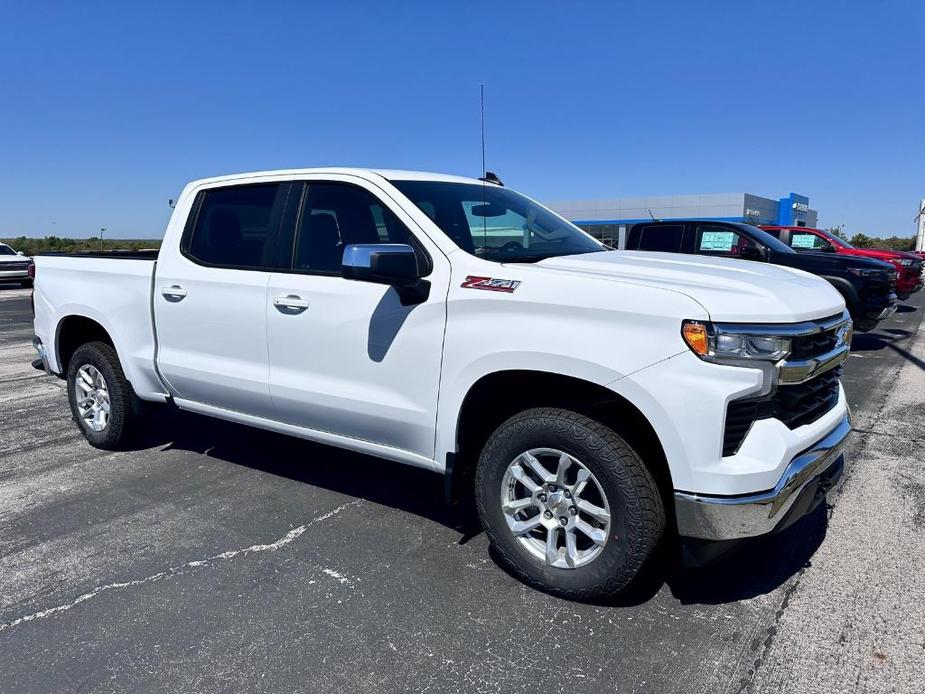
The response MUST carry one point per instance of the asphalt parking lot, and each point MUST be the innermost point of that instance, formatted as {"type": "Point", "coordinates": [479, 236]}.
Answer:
{"type": "Point", "coordinates": [220, 558]}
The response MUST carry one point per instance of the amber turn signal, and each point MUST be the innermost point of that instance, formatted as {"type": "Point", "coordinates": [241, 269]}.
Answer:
{"type": "Point", "coordinates": [695, 335]}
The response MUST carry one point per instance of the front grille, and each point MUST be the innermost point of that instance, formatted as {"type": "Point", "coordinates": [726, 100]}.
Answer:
{"type": "Point", "coordinates": [794, 405]}
{"type": "Point", "coordinates": [24, 265]}
{"type": "Point", "coordinates": [809, 346]}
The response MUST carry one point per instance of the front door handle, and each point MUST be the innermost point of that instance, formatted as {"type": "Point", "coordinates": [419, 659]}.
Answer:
{"type": "Point", "coordinates": [173, 293]}
{"type": "Point", "coordinates": [291, 304]}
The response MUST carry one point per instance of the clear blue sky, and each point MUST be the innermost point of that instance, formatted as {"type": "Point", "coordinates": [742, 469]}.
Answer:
{"type": "Point", "coordinates": [107, 111]}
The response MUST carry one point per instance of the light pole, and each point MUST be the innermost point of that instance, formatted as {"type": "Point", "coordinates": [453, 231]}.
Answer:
{"type": "Point", "coordinates": [920, 228]}
{"type": "Point", "coordinates": [102, 229]}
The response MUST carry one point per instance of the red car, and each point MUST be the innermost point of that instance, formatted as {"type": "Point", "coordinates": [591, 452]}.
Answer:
{"type": "Point", "coordinates": [908, 265]}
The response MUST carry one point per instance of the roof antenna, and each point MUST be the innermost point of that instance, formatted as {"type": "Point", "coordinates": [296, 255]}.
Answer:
{"type": "Point", "coordinates": [487, 176]}
{"type": "Point", "coordinates": [653, 216]}
{"type": "Point", "coordinates": [482, 105]}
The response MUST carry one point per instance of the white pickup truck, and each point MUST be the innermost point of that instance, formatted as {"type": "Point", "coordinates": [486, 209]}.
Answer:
{"type": "Point", "coordinates": [601, 400]}
{"type": "Point", "coordinates": [14, 266]}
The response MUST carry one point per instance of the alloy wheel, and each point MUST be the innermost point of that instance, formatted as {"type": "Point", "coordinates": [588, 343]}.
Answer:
{"type": "Point", "coordinates": [555, 507]}
{"type": "Point", "coordinates": [92, 397]}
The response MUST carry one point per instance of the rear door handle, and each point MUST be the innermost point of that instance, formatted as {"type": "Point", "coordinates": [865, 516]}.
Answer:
{"type": "Point", "coordinates": [290, 304]}
{"type": "Point", "coordinates": [173, 293]}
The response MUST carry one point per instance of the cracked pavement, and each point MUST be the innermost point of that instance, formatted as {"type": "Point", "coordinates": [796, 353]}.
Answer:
{"type": "Point", "coordinates": [220, 558]}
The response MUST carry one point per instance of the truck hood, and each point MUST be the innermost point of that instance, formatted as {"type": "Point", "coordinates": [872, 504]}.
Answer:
{"type": "Point", "coordinates": [818, 261]}
{"type": "Point", "coordinates": [730, 290]}
{"type": "Point", "coordinates": [882, 253]}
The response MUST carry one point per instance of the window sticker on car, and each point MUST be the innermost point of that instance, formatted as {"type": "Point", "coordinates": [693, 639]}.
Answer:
{"type": "Point", "coordinates": [803, 240]}
{"type": "Point", "coordinates": [491, 284]}
{"type": "Point", "coordinates": [717, 241]}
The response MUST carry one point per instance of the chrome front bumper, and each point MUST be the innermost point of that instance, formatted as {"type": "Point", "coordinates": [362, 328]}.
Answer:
{"type": "Point", "coordinates": [887, 312]}
{"type": "Point", "coordinates": [737, 517]}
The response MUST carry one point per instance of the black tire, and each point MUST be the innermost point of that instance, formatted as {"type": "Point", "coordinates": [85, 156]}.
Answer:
{"type": "Point", "coordinates": [865, 325]}
{"type": "Point", "coordinates": [637, 512]}
{"type": "Point", "coordinates": [124, 406]}
{"type": "Point", "coordinates": [903, 296]}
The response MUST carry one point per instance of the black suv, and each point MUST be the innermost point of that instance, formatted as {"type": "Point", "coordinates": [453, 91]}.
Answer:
{"type": "Point", "coordinates": [868, 286]}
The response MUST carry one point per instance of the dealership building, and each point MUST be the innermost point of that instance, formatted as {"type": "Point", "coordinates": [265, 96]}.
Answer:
{"type": "Point", "coordinates": [609, 219]}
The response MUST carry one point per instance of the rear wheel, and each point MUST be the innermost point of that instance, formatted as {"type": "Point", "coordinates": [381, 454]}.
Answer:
{"type": "Point", "coordinates": [101, 399]}
{"type": "Point", "coordinates": [569, 507]}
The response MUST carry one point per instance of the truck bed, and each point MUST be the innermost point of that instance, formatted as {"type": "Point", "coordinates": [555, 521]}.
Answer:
{"type": "Point", "coordinates": [117, 296]}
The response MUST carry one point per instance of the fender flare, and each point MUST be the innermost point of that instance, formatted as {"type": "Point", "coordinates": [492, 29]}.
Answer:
{"type": "Point", "coordinates": [845, 288]}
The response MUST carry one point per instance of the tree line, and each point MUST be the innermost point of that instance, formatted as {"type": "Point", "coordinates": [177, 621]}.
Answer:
{"type": "Point", "coordinates": [68, 245]}
{"type": "Point", "coordinates": [896, 243]}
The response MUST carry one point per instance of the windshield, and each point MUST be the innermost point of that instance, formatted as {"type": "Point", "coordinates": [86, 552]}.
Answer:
{"type": "Point", "coordinates": [495, 223]}
{"type": "Point", "coordinates": [6, 250]}
{"type": "Point", "coordinates": [839, 241]}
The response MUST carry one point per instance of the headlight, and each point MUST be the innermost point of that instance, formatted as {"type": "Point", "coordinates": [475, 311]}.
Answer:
{"type": "Point", "coordinates": [906, 262]}
{"type": "Point", "coordinates": [713, 342]}
{"type": "Point", "coordinates": [867, 272]}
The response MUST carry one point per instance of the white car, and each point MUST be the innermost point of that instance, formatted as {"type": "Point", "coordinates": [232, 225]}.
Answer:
{"type": "Point", "coordinates": [595, 400]}
{"type": "Point", "coordinates": [14, 267]}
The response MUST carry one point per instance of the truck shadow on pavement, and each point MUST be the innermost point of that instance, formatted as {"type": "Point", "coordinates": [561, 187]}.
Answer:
{"type": "Point", "coordinates": [753, 568]}
{"type": "Point", "coordinates": [888, 338]}
{"type": "Point", "coordinates": [756, 567]}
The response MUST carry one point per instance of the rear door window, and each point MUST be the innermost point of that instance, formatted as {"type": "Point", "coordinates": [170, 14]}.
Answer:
{"type": "Point", "coordinates": [236, 227]}
{"type": "Point", "coordinates": [661, 237]}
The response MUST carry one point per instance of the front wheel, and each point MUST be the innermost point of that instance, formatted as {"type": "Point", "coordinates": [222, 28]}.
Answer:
{"type": "Point", "coordinates": [102, 401]}
{"type": "Point", "coordinates": [903, 296]}
{"type": "Point", "coordinates": [568, 506]}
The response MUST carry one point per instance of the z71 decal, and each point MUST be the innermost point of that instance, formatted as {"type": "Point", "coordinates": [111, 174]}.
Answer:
{"type": "Point", "coordinates": [491, 284]}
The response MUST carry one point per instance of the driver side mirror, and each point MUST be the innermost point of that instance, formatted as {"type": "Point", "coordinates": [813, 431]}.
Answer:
{"type": "Point", "coordinates": [394, 264]}
{"type": "Point", "coordinates": [752, 253]}
{"type": "Point", "coordinates": [828, 248]}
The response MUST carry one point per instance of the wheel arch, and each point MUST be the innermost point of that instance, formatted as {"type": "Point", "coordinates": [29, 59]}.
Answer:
{"type": "Point", "coordinates": [497, 396]}
{"type": "Point", "coordinates": [848, 291]}
{"type": "Point", "coordinates": [75, 330]}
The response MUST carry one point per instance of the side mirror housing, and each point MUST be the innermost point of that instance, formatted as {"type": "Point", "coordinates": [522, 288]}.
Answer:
{"type": "Point", "coordinates": [752, 253]}
{"type": "Point", "coordinates": [394, 264]}
{"type": "Point", "coordinates": [828, 248]}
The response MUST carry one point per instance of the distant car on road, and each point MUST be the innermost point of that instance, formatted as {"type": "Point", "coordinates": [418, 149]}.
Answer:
{"type": "Point", "coordinates": [908, 265]}
{"type": "Point", "coordinates": [14, 266]}
{"type": "Point", "coordinates": [867, 285]}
